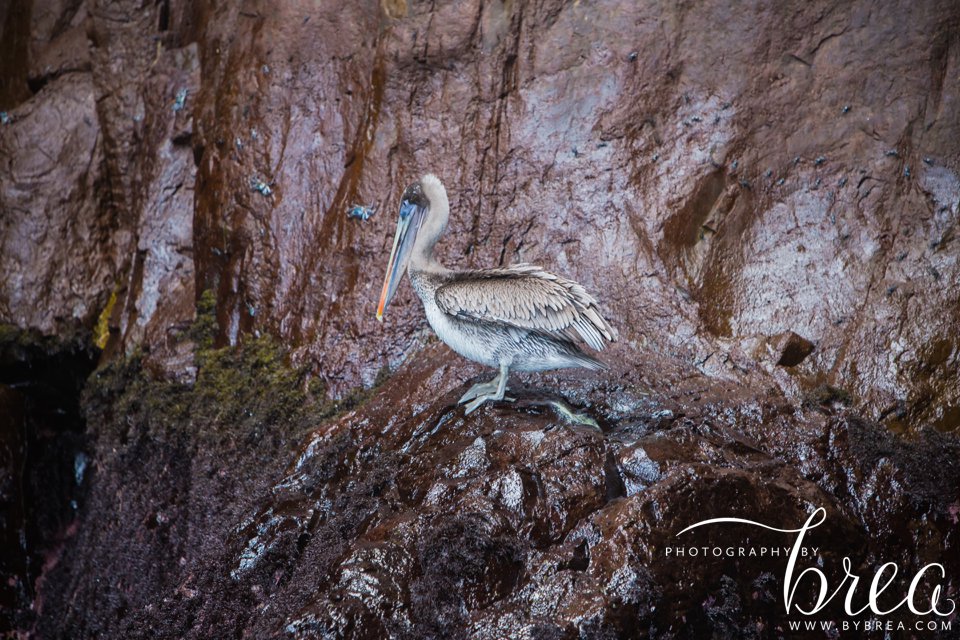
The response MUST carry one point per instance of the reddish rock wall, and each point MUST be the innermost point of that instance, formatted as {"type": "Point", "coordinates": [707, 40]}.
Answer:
{"type": "Point", "coordinates": [795, 171]}
{"type": "Point", "coordinates": [744, 187]}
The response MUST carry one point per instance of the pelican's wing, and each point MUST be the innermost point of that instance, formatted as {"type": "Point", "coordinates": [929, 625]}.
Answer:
{"type": "Point", "coordinates": [525, 296]}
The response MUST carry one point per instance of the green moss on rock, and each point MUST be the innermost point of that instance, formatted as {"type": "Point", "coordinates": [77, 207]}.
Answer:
{"type": "Point", "coordinates": [242, 394]}
{"type": "Point", "coordinates": [203, 331]}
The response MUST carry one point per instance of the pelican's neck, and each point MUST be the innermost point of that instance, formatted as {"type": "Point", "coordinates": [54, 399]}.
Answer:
{"type": "Point", "coordinates": [433, 227]}
{"type": "Point", "coordinates": [423, 258]}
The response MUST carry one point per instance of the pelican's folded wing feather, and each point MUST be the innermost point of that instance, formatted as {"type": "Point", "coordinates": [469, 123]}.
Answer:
{"type": "Point", "coordinates": [526, 297]}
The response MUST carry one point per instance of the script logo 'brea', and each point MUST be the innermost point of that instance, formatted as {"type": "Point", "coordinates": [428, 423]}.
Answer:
{"type": "Point", "coordinates": [882, 580]}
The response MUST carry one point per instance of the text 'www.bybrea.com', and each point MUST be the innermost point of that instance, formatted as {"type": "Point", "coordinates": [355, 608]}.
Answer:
{"type": "Point", "coordinates": [870, 625]}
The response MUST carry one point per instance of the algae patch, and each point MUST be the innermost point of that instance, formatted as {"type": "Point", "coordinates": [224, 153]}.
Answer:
{"type": "Point", "coordinates": [101, 333]}
{"type": "Point", "coordinates": [242, 395]}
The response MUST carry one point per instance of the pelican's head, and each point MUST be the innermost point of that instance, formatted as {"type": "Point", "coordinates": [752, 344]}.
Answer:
{"type": "Point", "coordinates": [423, 217]}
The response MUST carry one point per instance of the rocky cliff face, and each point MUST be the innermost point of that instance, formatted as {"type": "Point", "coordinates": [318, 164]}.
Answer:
{"type": "Point", "coordinates": [764, 198]}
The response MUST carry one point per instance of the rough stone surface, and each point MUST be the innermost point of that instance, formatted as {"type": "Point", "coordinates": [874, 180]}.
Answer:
{"type": "Point", "coordinates": [786, 189]}
{"type": "Point", "coordinates": [796, 175]}
{"type": "Point", "coordinates": [55, 246]}
{"type": "Point", "coordinates": [791, 349]}
{"type": "Point", "coordinates": [414, 521]}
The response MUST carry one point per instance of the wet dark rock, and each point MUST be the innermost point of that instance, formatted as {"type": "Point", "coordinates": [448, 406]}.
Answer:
{"type": "Point", "coordinates": [416, 521]}
{"type": "Point", "coordinates": [43, 461]}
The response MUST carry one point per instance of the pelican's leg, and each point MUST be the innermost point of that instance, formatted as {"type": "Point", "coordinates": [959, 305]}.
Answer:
{"type": "Point", "coordinates": [492, 390]}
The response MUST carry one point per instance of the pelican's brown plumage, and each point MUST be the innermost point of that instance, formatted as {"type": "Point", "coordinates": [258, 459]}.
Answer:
{"type": "Point", "coordinates": [518, 317]}
{"type": "Point", "coordinates": [524, 296]}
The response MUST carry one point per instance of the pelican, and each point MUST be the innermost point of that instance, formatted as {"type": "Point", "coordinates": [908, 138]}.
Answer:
{"type": "Point", "coordinates": [518, 317]}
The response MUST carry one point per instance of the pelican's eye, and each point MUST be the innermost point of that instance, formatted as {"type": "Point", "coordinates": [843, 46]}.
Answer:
{"type": "Point", "coordinates": [406, 208]}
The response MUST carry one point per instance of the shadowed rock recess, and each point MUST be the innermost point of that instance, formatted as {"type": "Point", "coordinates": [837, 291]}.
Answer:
{"type": "Point", "coordinates": [204, 432]}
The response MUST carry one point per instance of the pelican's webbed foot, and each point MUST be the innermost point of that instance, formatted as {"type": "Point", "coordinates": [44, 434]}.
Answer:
{"type": "Point", "coordinates": [480, 389]}
{"type": "Point", "coordinates": [483, 391]}
{"type": "Point", "coordinates": [471, 406]}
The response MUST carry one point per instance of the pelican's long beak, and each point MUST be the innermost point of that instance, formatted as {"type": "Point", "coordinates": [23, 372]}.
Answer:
{"type": "Point", "coordinates": [411, 217]}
